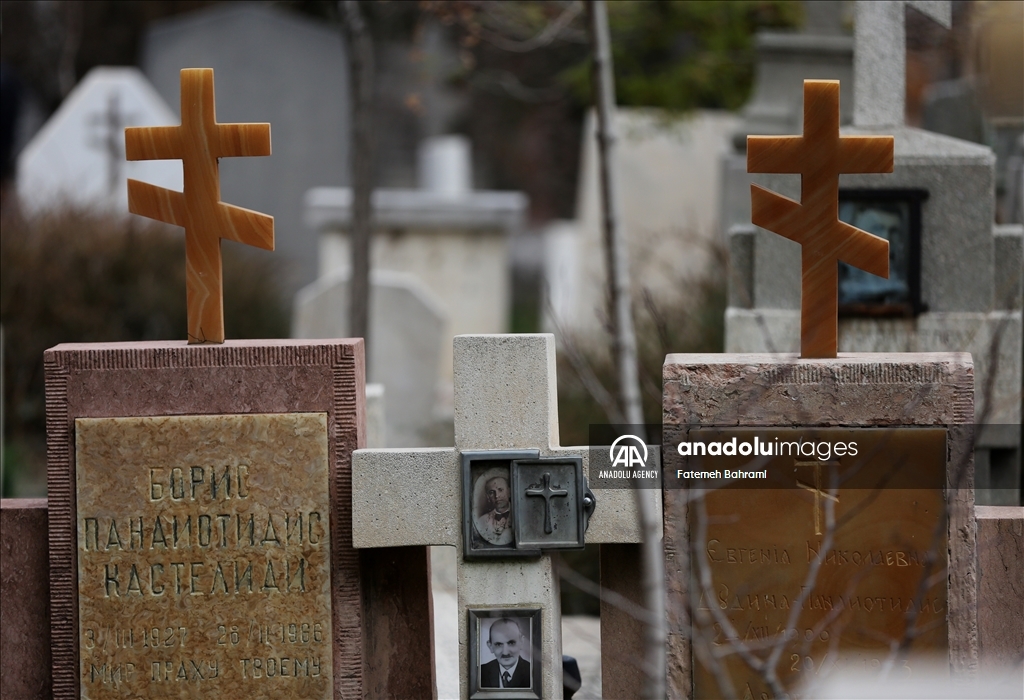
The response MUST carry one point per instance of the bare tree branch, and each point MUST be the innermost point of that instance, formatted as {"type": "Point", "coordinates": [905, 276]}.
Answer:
{"type": "Point", "coordinates": [360, 52]}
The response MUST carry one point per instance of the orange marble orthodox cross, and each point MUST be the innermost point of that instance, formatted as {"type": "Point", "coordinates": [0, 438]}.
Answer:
{"type": "Point", "coordinates": [819, 156]}
{"type": "Point", "coordinates": [199, 142]}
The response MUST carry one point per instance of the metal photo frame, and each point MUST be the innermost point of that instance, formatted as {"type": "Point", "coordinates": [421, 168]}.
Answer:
{"type": "Point", "coordinates": [894, 214]}
{"type": "Point", "coordinates": [484, 666]}
{"type": "Point", "coordinates": [549, 493]}
{"type": "Point", "coordinates": [482, 465]}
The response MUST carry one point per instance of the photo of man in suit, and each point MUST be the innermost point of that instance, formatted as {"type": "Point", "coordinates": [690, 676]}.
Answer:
{"type": "Point", "coordinates": [508, 669]}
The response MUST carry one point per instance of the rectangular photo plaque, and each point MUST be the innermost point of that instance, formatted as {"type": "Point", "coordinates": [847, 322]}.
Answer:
{"type": "Point", "coordinates": [489, 519]}
{"type": "Point", "coordinates": [504, 653]}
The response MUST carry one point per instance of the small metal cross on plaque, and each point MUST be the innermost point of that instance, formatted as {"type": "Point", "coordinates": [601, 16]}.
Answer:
{"type": "Point", "coordinates": [547, 493]}
{"type": "Point", "coordinates": [200, 142]}
{"type": "Point", "coordinates": [816, 490]}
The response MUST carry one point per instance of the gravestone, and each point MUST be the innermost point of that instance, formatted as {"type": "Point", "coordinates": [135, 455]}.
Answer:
{"type": "Point", "coordinates": [955, 274]}
{"type": "Point", "coordinates": [819, 509]}
{"type": "Point", "coordinates": [78, 156]}
{"type": "Point", "coordinates": [505, 400]}
{"type": "Point", "coordinates": [270, 61]}
{"type": "Point", "coordinates": [199, 501]}
{"type": "Point", "coordinates": [406, 328]}
{"type": "Point", "coordinates": [24, 604]}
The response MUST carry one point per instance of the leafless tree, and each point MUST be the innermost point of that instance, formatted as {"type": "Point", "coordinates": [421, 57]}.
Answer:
{"type": "Point", "coordinates": [360, 54]}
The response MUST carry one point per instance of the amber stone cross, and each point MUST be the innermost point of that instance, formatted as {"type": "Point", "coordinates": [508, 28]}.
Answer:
{"type": "Point", "coordinates": [199, 142]}
{"type": "Point", "coordinates": [819, 156]}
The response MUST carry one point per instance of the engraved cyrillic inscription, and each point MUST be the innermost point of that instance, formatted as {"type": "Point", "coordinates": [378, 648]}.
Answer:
{"type": "Point", "coordinates": [204, 556]}
{"type": "Point", "coordinates": [839, 562]}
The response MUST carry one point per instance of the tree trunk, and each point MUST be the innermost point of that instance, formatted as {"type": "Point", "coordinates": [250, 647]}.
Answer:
{"type": "Point", "coordinates": [360, 55]}
{"type": "Point", "coordinates": [624, 344]}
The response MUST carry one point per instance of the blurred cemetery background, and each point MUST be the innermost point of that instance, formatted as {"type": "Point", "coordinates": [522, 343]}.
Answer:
{"type": "Point", "coordinates": [487, 203]}
{"type": "Point", "coordinates": [486, 207]}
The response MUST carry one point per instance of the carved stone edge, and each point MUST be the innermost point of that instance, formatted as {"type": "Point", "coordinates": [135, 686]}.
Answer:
{"type": "Point", "coordinates": [346, 424]}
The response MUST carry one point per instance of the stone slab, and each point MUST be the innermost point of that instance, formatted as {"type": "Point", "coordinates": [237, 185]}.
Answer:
{"type": "Point", "coordinates": [1001, 588]}
{"type": "Point", "coordinates": [757, 546]}
{"type": "Point", "coordinates": [24, 599]}
{"type": "Point", "coordinates": [211, 566]}
{"type": "Point", "coordinates": [167, 378]}
{"type": "Point", "coordinates": [778, 330]}
{"type": "Point", "coordinates": [861, 390]}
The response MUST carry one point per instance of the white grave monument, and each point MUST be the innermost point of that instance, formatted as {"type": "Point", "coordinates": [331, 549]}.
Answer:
{"type": "Point", "coordinates": [880, 57]}
{"type": "Point", "coordinates": [505, 399]}
{"type": "Point", "coordinates": [77, 158]}
{"type": "Point", "coordinates": [406, 327]}
{"type": "Point", "coordinates": [451, 238]}
{"type": "Point", "coordinates": [671, 180]}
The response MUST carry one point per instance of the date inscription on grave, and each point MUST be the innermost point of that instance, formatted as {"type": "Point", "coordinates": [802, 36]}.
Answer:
{"type": "Point", "coordinates": [204, 556]}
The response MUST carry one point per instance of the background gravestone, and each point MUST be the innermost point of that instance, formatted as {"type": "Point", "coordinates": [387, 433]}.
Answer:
{"type": "Point", "coordinates": [406, 328]}
{"type": "Point", "coordinates": [821, 50]}
{"type": "Point", "coordinates": [272, 66]}
{"type": "Point", "coordinates": [671, 177]}
{"type": "Point", "coordinates": [78, 156]}
{"type": "Point", "coordinates": [453, 239]}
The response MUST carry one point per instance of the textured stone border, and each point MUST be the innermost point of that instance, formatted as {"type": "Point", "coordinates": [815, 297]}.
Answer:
{"type": "Point", "coordinates": [853, 390]}
{"type": "Point", "coordinates": [1001, 589]}
{"type": "Point", "coordinates": [24, 603]}
{"type": "Point", "coordinates": [172, 378]}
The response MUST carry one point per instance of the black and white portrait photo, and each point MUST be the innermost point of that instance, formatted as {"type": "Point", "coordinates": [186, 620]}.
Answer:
{"type": "Point", "coordinates": [505, 654]}
{"type": "Point", "coordinates": [506, 643]}
{"type": "Point", "coordinates": [492, 507]}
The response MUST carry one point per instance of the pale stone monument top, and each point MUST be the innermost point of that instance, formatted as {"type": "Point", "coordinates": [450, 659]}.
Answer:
{"type": "Point", "coordinates": [880, 57]}
{"type": "Point", "coordinates": [819, 156]}
{"type": "Point", "coordinates": [200, 142]}
{"type": "Point", "coordinates": [77, 157]}
{"type": "Point", "coordinates": [505, 399]}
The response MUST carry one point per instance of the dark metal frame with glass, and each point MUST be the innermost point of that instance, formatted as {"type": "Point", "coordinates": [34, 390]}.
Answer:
{"type": "Point", "coordinates": [893, 214]}
{"type": "Point", "coordinates": [477, 466]}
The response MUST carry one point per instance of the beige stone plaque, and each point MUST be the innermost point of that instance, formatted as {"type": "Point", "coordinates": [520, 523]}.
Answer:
{"type": "Point", "coordinates": [204, 556]}
{"type": "Point", "coordinates": [882, 578]}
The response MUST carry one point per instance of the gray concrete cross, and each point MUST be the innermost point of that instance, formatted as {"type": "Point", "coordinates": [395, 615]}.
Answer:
{"type": "Point", "coordinates": [880, 57]}
{"type": "Point", "coordinates": [505, 399]}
